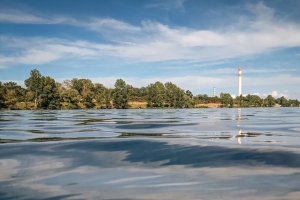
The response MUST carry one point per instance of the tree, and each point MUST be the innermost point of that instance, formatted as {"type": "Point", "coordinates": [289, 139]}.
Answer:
{"type": "Point", "coordinates": [189, 93]}
{"type": "Point", "coordinates": [156, 94]}
{"type": "Point", "coordinates": [256, 101]}
{"type": "Point", "coordinates": [10, 98]}
{"type": "Point", "coordinates": [108, 98]}
{"type": "Point", "coordinates": [103, 96]}
{"type": "Point", "coordinates": [72, 97]}
{"type": "Point", "coordinates": [226, 100]}
{"type": "Point", "coordinates": [11, 94]}
{"type": "Point", "coordinates": [85, 88]}
{"type": "Point", "coordinates": [202, 98]}
{"type": "Point", "coordinates": [33, 83]}
{"type": "Point", "coordinates": [188, 101]}
{"type": "Point", "coordinates": [120, 97]}
{"type": "Point", "coordinates": [175, 97]}
{"type": "Point", "coordinates": [283, 102]}
{"type": "Point", "coordinates": [2, 105]}
{"type": "Point", "coordinates": [29, 97]}
{"type": "Point", "coordinates": [294, 102]}
{"type": "Point", "coordinates": [269, 101]}
{"type": "Point", "coordinates": [49, 97]}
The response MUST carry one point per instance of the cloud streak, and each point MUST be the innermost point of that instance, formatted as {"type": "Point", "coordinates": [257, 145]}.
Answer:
{"type": "Point", "coordinates": [153, 41]}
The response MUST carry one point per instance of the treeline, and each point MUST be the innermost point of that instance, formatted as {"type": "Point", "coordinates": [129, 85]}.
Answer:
{"type": "Point", "coordinates": [255, 101]}
{"type": "Point", "coordinates": [43, 92]}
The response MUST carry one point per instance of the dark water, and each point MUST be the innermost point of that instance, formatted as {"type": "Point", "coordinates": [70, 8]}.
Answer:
{"type": "Point", "coordinates": [150, 154]}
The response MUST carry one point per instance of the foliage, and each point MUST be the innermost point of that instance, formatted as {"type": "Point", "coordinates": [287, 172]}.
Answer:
{"type": "Point", "coordinates": [120, 96]}
{"type": "Point", "coordinates": [249, 101]}
{"type": "Point", "coordinates": [72, 97]}
{"type": "Point", "coordinates": [103, 96]}
{"type": "Point", "coordinates": [156, 95]}
{"type": "Point", "coordinates": [174, 95]}
{"type": "Point", "coordinates": [2, 104]}
{"type": "Point", "coordinates": [49, 97]}
{"type": "Point", "coordinates": [33, 84]}
{"type": "Point", "coordinates": [269, 101]}
{"type": "Point", "coordinates": [283, 102]}
{"type": "Point", "coordinates": [43, 92]}
{"type": "Point", "coordinates": [226, 100]}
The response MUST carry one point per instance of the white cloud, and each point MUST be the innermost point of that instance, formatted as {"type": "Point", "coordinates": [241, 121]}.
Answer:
{"type": "Point", "coordinates": [41, 50]}
{"type": "Point", "coordinates": [281, 79]}
{"type": "Point", "coordinates": [4, 60]}
{"type": "Point", "coordinates": [15, 16]}
{"type": "Point", "coordinates": [37, 57]}
{"type": "Point", "coordinates": [20, 17]}
{"type": "Point", "coordinates": [153, 41]}
{"type": "Point", "coordinates": [246, 71]}
{"type": "Point", "coordinates": [194, 82]}
{"type": "Point", "coordinates": [99, 24]}
{"type": "Point", "coordinates": [168, 5]}
{"type": "Point", "coordinates": [275, 94]}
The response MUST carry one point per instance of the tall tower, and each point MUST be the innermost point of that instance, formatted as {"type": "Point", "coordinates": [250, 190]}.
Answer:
{"type": "Point", "coordinates": [240, 80]}
{"type": "Point", "coordinates": [214, 91]}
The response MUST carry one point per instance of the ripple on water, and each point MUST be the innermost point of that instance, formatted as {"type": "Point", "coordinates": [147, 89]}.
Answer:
{"type": "Point", "coordinates": [258, 123]}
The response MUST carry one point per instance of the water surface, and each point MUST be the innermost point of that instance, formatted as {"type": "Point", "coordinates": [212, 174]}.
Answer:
{"type": "Point", "coordinates": [150, 154]}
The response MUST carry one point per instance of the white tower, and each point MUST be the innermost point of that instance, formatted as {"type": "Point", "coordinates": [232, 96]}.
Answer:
{"type": "Point", "coordinates": [240, 81]}
{"type": "Point", "coordinates": [214, 91]}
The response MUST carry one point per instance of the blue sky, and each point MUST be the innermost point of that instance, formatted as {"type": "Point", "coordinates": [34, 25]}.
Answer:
{"type": "Point", "coordinates": [196, 44]}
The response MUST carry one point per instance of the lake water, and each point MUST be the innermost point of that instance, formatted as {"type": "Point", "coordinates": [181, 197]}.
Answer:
{"type": "Point", "coordinates": [233, 153]}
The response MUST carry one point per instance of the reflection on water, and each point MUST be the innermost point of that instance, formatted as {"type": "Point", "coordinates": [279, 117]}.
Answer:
{"type": "Point", "coordinates": [238, 136]}
{"type": "Point", "coordinates": [150, 154]}
{"type": "Point", "coordinates": [258, 125]}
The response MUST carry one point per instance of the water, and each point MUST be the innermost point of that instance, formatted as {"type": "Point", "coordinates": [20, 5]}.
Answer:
{"type": "Point", "coordinates": [150, 154]}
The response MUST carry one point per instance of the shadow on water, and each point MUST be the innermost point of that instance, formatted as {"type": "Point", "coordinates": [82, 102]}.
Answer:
{"type": "Point", "coordinates": [146, 151]}
{"type": "Point", "coordinates": [3, 196]}
{"type": "Point", "coordinates": [151, 125]}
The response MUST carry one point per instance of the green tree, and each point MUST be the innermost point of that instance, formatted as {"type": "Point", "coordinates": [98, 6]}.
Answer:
{"type": "Point", "coordinates": [226, 100]}
{"type": "Point", "coordinates": [10, 99]}
{"type": "Point", "coordinates": [175, 97]}
{"type": "Point", "coordinates": [12, 93]}
{"type": "Point", "coordinates": [120, 96]}
{"type": "Point", "coordinates": [85, 88]}
{"type": "Point", "coordinates": [188, 101]}
{"type": "Point", "coordinates": [29, 97]}
{"type": "Point", "coordinates": [108, 98]}
{"type": "Point", "coordinates": [156, 94]}
{"type": "Point", "coordinates": [294, 103]}
{"type": "Point", "coordinates": [72, 97]}
{"type": "Point", "coordinates": [33, 83]}
{"type": "Point", "coordinates": [189, 94]}
{"type": "Point", "coordinates": [201, 98]}
{"type": "Point", "coordinates": [256, 101]}
{"type": "Point", "coordinates": [2, 105]}
{"type": "Point", "coordinates": [103, 96]}
{"type": "Point", "coordinates": [283, 102]}
{"type": "Point", "coordinates": [269, 101]}
{"type": "Point", "coordinates": [60, 89]}
{"type": "Point", "coordinates": [49, 97]}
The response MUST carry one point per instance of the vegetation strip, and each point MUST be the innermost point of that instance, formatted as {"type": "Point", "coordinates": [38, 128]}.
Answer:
{"type": "Point", "coordinates": [43, 92]}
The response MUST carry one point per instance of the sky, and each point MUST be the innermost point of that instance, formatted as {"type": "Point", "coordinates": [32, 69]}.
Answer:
{"type": "Point", "coordinates": [196, 44]}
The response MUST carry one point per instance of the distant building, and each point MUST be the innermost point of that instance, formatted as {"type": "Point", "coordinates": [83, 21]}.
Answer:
{"type": "Point", "coordinates": [240, 81]}
{"type": "Point", "coordinates": [214, 92]}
